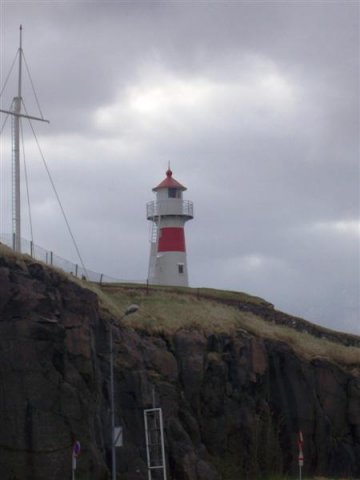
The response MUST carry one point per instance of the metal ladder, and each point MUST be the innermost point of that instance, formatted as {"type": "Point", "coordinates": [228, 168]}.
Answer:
{"type": "Point", "coordinates": [154, 438]}
{"type": "Point", "coordinates": [154, 241]}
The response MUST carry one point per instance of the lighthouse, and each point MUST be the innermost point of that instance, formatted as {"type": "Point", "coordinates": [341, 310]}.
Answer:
{"type": "Point", "coordinates": [168, 214]}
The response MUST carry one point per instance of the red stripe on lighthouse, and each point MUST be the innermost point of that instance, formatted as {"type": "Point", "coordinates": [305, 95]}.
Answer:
{"type": "Point", "coordinates": [172, 239]}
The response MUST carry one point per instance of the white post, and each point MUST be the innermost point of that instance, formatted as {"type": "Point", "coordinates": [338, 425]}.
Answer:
{"type": "Point", "coordinates": [113, 451]}
{"type": "Point", "coordinates": [73, 466]}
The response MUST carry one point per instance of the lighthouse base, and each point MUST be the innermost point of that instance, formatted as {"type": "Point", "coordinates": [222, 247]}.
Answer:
{"type": "Point", "coordinates": [168, 268]}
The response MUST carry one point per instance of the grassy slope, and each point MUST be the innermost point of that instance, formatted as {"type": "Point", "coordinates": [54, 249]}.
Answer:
{"type": "Point", "coordinates": [167, 309]}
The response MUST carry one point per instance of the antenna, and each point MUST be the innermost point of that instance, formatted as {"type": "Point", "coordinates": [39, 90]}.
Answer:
{"type": "Point", "coordinates": [20, 64]}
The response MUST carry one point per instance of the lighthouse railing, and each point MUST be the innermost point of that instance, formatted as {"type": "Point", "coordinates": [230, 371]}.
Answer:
{"type": "Point", "coordinates": [171, 206]}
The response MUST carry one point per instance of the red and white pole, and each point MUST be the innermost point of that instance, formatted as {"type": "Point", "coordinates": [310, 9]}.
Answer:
{"type": "Point", "coordinates": [301, 453]}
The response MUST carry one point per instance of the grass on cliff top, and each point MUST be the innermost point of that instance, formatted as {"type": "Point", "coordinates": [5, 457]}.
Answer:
{"type": "Point", "coordinates": [168, 309]}
{"type": "Point", "coordinates": [210, 293]}
{"type": "Point", "coordinates": [165, 311]}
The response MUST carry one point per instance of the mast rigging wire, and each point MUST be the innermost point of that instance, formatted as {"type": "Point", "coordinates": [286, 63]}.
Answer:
{"type": "Point", "coordinates": [3, 125]}
{"type": "Point", "coordinates": [56, 193]}
{"type": "Point", "coordinates": [8, 75]}
{"type": "Point", "coordinates": [32, 85]}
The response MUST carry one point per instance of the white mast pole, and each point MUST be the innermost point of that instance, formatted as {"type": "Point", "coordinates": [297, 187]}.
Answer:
{"type": "Point", "coordinates": [16, 212]}
{"type": "Point", "coordinates": [16, 115]}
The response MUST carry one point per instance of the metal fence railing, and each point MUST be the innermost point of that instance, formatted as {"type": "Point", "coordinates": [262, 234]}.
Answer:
{"type": "Point", "coordinates": [170, 206]}
{"type": "Point", "coordinates": [50, 258]}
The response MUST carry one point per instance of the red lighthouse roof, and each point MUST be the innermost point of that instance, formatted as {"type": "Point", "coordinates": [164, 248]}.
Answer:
{"type": "Point", "coordinates": [169, 182]}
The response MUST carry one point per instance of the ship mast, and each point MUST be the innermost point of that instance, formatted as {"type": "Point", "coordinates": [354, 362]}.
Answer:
{"type": "Point", "coordinates": [16, 115]}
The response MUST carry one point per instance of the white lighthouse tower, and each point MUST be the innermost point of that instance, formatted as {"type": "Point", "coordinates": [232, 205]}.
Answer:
{"type": "Point", "coordinates": [168, 214]}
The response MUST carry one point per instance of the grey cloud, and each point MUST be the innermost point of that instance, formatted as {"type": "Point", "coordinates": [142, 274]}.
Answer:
{"type": "Point", "coordinates": [262, 175]}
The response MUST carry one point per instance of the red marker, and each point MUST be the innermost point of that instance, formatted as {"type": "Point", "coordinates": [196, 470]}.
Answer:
{"type": "Point", "coordinates": [301, 454]}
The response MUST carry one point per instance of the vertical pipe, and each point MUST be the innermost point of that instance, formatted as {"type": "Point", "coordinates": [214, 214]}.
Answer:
{"type": "Point", "coordinates": [153, 397]}
{"type": "Point", "coordinates": [16, 175]}
{"type": "Point", "coordinates": [147, 443]}
{"type": "Point", "coordinates": [113, 458]}
{"type": "Point", "coordinates": [162, 443]}
{"type": "Point", "coordinates": [16, 158]}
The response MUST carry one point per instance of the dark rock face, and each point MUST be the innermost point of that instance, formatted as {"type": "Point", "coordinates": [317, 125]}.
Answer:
{"type": "Point", "coordinates": [50, 381]}
{"type": "Point", "coordinates": [232, 405]}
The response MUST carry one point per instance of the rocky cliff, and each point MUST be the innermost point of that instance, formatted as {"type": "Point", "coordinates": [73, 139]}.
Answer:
{"type": "Point", "coordinates": [232, 401]}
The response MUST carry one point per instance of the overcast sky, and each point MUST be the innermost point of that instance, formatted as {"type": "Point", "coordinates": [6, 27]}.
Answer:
{"type": "Point", "coordinates": [254, 104]}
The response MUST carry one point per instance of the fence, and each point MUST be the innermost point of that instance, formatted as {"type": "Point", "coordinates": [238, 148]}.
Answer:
{"type": "Point", "coordinates": [50, 258]}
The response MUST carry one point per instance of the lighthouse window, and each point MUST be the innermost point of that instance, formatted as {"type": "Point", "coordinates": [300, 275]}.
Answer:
{"type": "Point", "coordinates": [181, 268]}
{"type": "Point", "coordinates": [172, 192]}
